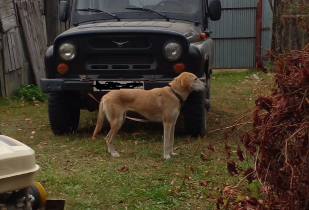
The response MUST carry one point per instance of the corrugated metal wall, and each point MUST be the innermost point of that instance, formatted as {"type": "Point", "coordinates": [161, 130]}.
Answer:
{"type": "Point", "coordinates": [235, 34]}
{"type": "Point", "coordinates": [267, 26]}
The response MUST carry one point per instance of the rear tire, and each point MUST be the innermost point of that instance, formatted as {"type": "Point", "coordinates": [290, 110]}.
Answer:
{"type": "Point", "coordinates": [207, 102]}
{"type": "Point", "coordinates": [195, 114]}
{"type": "Point", "coordinates": [63, 112]}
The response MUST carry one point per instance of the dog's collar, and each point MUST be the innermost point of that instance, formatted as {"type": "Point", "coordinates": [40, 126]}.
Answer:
{"type": "Point", "coordinates": [177, 95]}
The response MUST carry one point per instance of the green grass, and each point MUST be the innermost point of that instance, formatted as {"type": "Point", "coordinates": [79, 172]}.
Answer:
{"type": "Point", "coordinates": [81, 171]}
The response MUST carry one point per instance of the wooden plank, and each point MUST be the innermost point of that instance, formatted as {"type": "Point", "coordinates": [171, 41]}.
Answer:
{"type": "Point", "coordinates": [25, 66]}
{"type": "Point", "coordinates": [12, 82]}
{"type": "Point", "coordinates": [8, 23]}
{"type": "Point", "coordinates": [6, 55]}
{"type": "Point", "coordinates": [2, 86]}
{"type": "Point", "coordinates": [44, 29]}
{"type": "Point", "coordinates": [11, 51]}
{"type": "Point", "coordinates": [53, 24]}
{"type": "Point", "coordinates": [8, 19]}
{"type": "Point", "coordinates": [19, 45]}
{"type": "Point", "coordinates": [3, 2]}
{"type": "Point", "coordinates": [7, 13]}
{"type": "Point", "coordinates": [37, 15]}
{"type": "Point", "coordinates": [18, 48]}
{"type": "Point", "coordinates": [33, 29]}
{"type": "Point", "coordinates": [6, 7]}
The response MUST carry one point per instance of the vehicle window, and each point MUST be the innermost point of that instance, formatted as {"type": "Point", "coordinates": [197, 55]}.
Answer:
{"type": "Point", "coordinates": [119, 6]}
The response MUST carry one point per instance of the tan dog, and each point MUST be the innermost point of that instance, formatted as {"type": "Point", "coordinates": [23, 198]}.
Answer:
{"type": "Point", "coordinates": [157, 105]}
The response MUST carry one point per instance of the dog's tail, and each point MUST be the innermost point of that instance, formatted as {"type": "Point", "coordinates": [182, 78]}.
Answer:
{"type": "Point", "coordinates": [100, 120]}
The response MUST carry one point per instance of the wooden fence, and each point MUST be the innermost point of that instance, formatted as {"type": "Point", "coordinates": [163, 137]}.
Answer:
{"type": "Point", "coordinates": [23, 43]}
{"type": "Point", "coordinates": [27, 28]}
{"type": "Point", "coordinates": [291, 25]}
{"type": "Point", "coordinates": [13, 68]}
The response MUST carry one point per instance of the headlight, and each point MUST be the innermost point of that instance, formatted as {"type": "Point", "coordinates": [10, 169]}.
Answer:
{"type": "Point", "coordinates": [67, 51]}
{"type": "Point", "coordinates": [172, 51]}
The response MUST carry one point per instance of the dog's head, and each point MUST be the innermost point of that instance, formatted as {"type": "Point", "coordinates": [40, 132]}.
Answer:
{"type": "Point", "coordinates": [190, 82]}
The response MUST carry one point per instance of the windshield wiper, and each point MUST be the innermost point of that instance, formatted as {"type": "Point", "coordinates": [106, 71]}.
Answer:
{"type": "Point", "coordinates": [148, 10]}
{"type": "Point", "coordinates": [99, 11]}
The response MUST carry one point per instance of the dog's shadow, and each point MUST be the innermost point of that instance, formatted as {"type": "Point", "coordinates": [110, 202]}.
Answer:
{"type": "Point", "coordinates": [129, 127]}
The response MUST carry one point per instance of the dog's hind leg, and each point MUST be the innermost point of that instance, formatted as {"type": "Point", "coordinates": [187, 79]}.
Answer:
{"type": "Point", "coordinates": [100, 120]}
{"type": "Point", "coordinates": [110, 138]}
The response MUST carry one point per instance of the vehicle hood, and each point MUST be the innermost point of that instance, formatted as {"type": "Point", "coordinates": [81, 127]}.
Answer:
{"type": "Point", "coordinates": [191, 32]}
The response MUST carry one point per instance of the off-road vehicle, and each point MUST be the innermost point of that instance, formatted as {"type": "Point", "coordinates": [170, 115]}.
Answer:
{"type": "Point", "coordinates": [117, 43]}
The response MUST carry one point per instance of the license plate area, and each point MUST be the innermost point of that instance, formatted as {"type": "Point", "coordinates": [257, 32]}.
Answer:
{"type": "Point", "coordinates": [117, 85]}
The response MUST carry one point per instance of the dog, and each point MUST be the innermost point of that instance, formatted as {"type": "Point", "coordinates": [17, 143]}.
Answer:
{"type": "Point", "coordinates": [156, 105]}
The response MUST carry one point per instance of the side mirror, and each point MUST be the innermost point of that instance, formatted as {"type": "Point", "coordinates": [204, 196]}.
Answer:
{"type": "Point", "coordinates": [214, 10]}
{"type": "Point", "coordinates": [63, 11]}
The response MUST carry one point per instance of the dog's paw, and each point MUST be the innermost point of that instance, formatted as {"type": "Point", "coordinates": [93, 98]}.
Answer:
{"type": "Point", "coordinates": [166, 157]}
{"type": "Point", "coordinates": [92, 138]}
{"type": "Point", "coordinates": [115, 154]}
{"type": "Point", "coordinates": [173, 153]}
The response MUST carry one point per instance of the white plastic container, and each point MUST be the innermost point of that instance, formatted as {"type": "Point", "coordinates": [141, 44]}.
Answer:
{"type": "Point", "coordinates": [17, 165]}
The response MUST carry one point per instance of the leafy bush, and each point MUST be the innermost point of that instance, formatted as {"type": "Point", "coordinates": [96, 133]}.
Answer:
{"type": "Point", "coordinates": [29, 93]}
{"type": "Point", "coordinates": [279, 139]}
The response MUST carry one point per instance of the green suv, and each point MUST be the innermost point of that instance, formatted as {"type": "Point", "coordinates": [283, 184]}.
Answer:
{"type": "Point", "coordinates": [113, 44]}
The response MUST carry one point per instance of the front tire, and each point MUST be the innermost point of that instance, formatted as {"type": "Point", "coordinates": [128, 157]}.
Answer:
{"type": "Point", "coordinates": [63, 112]}
{"type": "Point", "coordinates": [195, 114]}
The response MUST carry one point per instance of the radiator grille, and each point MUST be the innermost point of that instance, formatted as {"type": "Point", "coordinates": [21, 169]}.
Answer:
{"type": "Point", "coordinates": [120, 59]}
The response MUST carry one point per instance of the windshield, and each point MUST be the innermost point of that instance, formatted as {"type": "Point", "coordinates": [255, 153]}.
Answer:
{"type": "Point", "coordinates": [139, 9]}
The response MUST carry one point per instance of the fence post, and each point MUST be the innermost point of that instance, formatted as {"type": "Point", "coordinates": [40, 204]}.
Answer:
{"type": "Point", "coordinates": [2, 88]}
{"type": "Point", "coordinates": [258, 42]}
{"type": "Point", "coordinates": [52, 22]}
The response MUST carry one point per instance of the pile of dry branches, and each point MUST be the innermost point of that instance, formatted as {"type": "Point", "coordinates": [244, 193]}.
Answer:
{"type": "Point", "coordinates": [279, 137]}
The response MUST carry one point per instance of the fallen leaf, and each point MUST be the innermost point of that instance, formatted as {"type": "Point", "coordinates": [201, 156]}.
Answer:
{"type": "Point", "coordinates": [176, 148]}
{"type": "Point", "coordinates": [123, 169]}
{"type": "Point", "coordinates": [135, 134]}
{"type": "Point", "coordinates": [203, 183]}
{"type": "Point", "coordinates": [240, 154]}
{"type": "Point", "coordinates": [231, 167]}
{"type": "Point", "coordinates": [203, 157]}
{"type": "Point", "coordinates": [211, 147]}
{"type": "Point", "coordinates": [252, 201]}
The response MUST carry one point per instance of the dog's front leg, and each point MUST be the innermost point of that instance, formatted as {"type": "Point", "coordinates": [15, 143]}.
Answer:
{"type": "Point", "coordinates": [167, 141]}
{"type": "Point", "coordinates": [172, 137]}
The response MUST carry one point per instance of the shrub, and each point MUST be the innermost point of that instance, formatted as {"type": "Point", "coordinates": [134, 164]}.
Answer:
{"type": "Point", "coordinates": [29, 93]}
{"type": "Point", "coordinates": [279, 138]}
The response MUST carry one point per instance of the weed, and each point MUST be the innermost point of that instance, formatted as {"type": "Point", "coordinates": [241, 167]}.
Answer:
{"type": "Point", "coordinates": [29, 93]}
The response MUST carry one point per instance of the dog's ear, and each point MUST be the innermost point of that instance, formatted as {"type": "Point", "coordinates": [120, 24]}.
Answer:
{"type": "Point", "coordinates": [185, 82]}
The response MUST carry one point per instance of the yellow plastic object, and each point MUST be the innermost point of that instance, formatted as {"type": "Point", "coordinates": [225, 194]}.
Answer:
{"type": "Point", "coordinates": [42, 193]}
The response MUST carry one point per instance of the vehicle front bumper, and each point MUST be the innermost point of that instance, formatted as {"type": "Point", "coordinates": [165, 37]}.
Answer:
{"type": "Point", "coordinates": [59, 85]}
